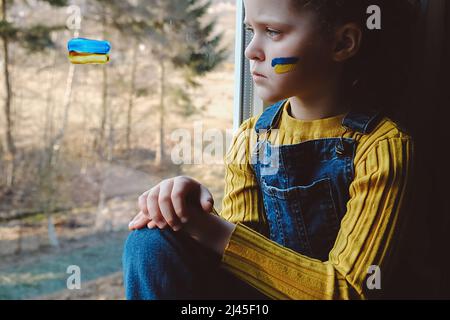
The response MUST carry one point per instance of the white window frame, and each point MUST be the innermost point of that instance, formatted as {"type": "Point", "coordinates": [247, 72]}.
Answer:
{"type": "Point", "coordinates": [246, 103]}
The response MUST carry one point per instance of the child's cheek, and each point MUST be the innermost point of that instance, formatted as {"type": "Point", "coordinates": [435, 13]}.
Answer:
{"type": "Point", "coordinates": [284, 65]}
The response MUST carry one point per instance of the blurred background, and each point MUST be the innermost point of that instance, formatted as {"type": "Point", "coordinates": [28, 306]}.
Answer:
{"type": "Point", "coordinates": [80, 143]}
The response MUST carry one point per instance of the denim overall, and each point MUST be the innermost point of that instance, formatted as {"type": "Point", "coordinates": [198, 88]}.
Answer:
{"type": "Point", "coordinates": [305, 186]}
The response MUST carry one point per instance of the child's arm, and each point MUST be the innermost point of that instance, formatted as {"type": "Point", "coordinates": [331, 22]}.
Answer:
{"type": "Point", "coordinates": [241, 193]}
{"type": "Point", "coordinates": [366, 237]}
{"type": "Point", "coordinates": [242, 200]}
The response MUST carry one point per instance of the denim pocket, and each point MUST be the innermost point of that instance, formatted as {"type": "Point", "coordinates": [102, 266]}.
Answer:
{"type": "Point", "coordinates": [305, 216]}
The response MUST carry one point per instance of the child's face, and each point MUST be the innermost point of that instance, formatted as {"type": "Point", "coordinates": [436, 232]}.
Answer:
{"type": "Point", "coordinates": [281, 31]}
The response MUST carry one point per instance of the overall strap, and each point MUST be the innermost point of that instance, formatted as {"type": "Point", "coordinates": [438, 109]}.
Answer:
{"type": "Point", "coordinates": [268, 119]}
{"type": "Point", "coordinates": [359, 120]}
{"type": "Point", "coordinates": [270, 116]}
{"type": "Point", "coordinates": [363, 121]}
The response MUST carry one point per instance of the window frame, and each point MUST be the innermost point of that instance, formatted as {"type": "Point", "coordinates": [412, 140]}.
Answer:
{"type": "Point", "coordinates": [246, 103]}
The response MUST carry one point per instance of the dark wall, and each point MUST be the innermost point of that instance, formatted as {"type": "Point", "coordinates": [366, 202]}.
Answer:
{"type": "Point", "coordinates": [422, 271]}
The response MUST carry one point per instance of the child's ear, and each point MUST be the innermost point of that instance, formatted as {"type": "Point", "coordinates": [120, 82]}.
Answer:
{"type": "Point", "coordinates": [347, 42]}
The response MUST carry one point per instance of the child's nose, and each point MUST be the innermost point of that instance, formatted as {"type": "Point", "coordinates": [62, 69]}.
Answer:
{"type": "Point", "coordinates": [254, 51]}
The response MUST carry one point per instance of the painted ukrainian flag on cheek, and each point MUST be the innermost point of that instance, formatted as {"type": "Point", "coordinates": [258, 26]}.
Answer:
{"type": "Point", "coordinates": [86, 51]}
{"type": "Point", "coordinates": [284, 65]}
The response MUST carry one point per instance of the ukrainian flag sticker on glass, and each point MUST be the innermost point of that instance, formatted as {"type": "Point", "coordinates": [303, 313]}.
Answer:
{"type": "Point", "coordinates": [87, 51]}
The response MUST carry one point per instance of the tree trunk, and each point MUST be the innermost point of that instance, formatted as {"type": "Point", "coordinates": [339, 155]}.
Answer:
{"type": "Point", "coordinates": [53, 152]}
{"type": "Point", "coordinates": [10, 151]}
{"type": "Point", "coordinates": [104, 112]}
{"type": "Point", "coordinates": [99, 142]}
{"type": "Point", "coordinates": [103, 219]}
{"type": "Point", "coordinates": [131, 97]}
{"type": "Point", "coordinates": [52, 236]}
{"type": "Point", "coordinates": [160, 152]}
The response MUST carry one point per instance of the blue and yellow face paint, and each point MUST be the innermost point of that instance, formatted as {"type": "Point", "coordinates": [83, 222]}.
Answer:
{"type": "Point", "coordinates": [87, 51]}
{"type": "Point", "coordinates": [284, 65]}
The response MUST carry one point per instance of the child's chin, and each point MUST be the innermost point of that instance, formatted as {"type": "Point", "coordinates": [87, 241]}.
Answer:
{"type": "Point", "coordinates": [267, 96]}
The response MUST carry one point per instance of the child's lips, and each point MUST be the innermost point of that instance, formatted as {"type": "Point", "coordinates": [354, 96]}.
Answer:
{"type": "Point", "coordinates": [257, 75]}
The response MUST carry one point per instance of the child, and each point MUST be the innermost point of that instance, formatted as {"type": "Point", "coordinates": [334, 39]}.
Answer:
{"type": "Point", "coordinates": [314, 186]}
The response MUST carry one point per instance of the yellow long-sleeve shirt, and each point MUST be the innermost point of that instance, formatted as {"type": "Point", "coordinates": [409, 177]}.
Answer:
{"type": "Point", "coordinates": [368, 230]}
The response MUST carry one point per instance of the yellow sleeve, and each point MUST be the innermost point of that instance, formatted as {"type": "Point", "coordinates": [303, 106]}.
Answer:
{"type": "Point", "coordinates": [242, 202]}
{"type": "Point", "coordinates": [367, 236]}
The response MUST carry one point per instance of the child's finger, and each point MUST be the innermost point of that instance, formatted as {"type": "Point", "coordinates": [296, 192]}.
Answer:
{"type": "Point", "coordinates": [206, 199]}
{"type": "Point", "coordinates": [139, 222]}
{"type": "Point", "coordinates": [142, 201]}
{"type": "Point", "coordinates": [135, 218]}
{"type": "Point", "coordinates": [151, 224]}
{"type": "Point", "coordinates": [181, 186]}
{"type": "Point", "coordinates": [154, 213]}
{"type": "Point", "coordinates": [165, 205]}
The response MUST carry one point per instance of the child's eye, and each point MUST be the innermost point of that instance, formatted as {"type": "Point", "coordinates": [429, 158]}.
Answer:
{"type": "Point", "coordinates": [272, 33]}
{"type": "Point", "coordinates": [249, 29]}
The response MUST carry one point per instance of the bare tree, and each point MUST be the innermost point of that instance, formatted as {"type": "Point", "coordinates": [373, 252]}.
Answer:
{"type": "Point", "coordinates": [179, 40]}
{"type": "Point", "coordinates": [50, 165]}
{"type": "Point", "coordinates": [132, 93]}
{"type": "Point", "coordinates": [34, 38]}
{"type": "Point", "coordinates": [10, 151]}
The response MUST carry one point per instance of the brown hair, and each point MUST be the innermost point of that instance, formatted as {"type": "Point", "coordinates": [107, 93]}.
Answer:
{"type": "Point", "coordinates": [378, 72]}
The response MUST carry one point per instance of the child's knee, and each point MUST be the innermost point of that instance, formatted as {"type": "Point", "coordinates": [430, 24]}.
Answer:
{"type": "Point", "coordinates": [140, 261]}
{"type": "Point", "coordinates": [149, 246]}
{"type": "Point", "coordinates": [142, 243]}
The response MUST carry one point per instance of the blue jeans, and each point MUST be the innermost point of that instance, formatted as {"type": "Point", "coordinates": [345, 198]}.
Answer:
{"type": "Point", "coordinates": [165, 265]}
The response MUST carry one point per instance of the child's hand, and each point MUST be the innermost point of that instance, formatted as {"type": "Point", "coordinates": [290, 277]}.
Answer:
{"type": "Point", "coordinates": [172, 202]}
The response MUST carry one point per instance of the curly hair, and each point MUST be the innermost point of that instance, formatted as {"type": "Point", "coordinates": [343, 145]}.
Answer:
{"type": "Point", "coordinates": [377, 73]}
